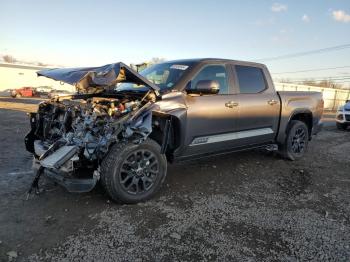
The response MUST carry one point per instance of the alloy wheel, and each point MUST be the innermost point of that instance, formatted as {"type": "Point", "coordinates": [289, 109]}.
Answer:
{"type": "Point", "coordinates": [299, 141]}
{"type": "Point", "coordinates": [139, 171]}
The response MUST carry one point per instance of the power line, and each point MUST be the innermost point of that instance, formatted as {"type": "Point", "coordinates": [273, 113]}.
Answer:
{"type": "Point", "coordinates": [316, 79]}
{"type": "Point", "coordinates": [299, 82]}
{"type": "Point", "coordinates": [312, 70]}
{"type": "Point", "coordinates": [344, 79]}
{"type": "Point", "coordinates": [322, 77]}
{"type": "Point", "coordinates": [312, 79]}
{"type": "Point", "coordinates": [306, 53]}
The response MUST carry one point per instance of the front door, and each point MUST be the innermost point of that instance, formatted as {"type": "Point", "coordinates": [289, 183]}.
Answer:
{"type": "Point", "coordinates": [211, 119]}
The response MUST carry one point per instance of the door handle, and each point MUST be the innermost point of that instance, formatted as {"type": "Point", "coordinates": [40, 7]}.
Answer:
{"type": "Point", "coordinates": [231, 104]}
{"type": "Point", "coordinates": [272, 102]}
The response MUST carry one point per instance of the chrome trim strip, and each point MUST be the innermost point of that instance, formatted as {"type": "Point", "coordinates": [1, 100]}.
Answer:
{"type": "Point", "coordinates": [230, 136]}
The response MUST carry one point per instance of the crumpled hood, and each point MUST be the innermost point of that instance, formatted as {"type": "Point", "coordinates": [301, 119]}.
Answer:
{"type": "Point", "coordinates": [96, 79]}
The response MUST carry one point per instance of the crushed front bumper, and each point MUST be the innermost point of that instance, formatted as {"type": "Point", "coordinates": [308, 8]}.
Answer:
{"type": "Point", "coordinates": [71, 184]}
{"type": "Point", "coordinates": [74, 185]}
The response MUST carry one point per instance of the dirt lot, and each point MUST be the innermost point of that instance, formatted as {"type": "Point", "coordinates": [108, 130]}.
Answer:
{"type": "Point", "coordinates": [250, 206]}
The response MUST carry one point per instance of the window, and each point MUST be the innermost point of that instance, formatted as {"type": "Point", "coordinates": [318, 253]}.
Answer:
{"type": "Point", "coordinates": [251, 79]}
{"type": "Point", "coordinates": [213, 72]}
{"type": "Point", "coordinates": [164, 75]}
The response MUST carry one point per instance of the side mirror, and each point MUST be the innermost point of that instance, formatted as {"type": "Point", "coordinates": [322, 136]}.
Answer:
{"type": "Point", "coordinates": [205, 87]}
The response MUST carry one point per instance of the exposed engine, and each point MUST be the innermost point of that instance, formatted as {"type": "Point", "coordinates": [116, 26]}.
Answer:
{"type": "Point", "coordinates": [71, 136]}
{"type": "Point", "coordinates": [75, 134]}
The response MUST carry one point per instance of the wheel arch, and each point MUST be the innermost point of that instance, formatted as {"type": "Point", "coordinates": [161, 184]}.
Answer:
{"type": "Point", "coordinates": [167, 131]}
{"type": "Point", "coordinates": [304, 116]}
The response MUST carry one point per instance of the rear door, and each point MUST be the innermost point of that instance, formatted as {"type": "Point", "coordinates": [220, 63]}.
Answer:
{"type": "Point", "coordinates": [211, 119]}
{"type": "Point", "coordinates": [259, 105]}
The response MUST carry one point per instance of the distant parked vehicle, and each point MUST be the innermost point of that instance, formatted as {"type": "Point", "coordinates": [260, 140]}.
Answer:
{"type": "Point", "coordinates": [24, 91]}
{"type": "Point", "coordinates": [43, 91]}
{"type": "Point", "coordinates": [58, 93]}
{"type": "Point", "coordinates": [343, 116]}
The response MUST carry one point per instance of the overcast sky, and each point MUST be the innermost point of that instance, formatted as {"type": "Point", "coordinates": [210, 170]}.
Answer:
{"type": "Point", "coordinates": [81, 33]}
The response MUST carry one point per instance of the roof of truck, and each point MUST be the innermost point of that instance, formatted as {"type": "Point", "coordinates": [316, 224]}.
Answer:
{"type": "Point", "coordinates": [198, 60]}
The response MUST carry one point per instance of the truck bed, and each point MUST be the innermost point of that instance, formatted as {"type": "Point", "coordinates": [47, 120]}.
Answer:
{"type": "Point", "coordinates": [293, 102]}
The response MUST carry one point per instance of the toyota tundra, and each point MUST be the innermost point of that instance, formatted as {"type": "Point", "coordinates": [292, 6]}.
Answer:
{"type": "Point", "coordinates": [121, 128]}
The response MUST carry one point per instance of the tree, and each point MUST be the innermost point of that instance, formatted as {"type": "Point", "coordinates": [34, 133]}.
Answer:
{"type": "Point", "coordinates": [41, 64]}
{"type": "Point", "coordinates": [323, 83]}
{"type": "Point", "coordinates": [156, 60]}
{"type": "Point", "coordinates": [9, 59]}
{"type": "Point", "coordinates": [312, 82]}
{"type": "Point", "coordinates": [329, 83]}
{"type": "Point", "coordinates": [284, 80]}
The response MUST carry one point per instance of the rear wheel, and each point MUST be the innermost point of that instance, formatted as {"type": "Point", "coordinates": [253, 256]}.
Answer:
{"type": "Point", "coordinates": [342, 126]}
{"type": "Point", "coordinates": [296, 141]}
{"type": "Point", "coordinates": [18, 95]}
{"type": "Point", "coordinates": [133, 173]}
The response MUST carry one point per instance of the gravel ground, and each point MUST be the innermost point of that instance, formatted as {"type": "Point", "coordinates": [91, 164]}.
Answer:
{"type": "Point", "coordinates": [250, 206]}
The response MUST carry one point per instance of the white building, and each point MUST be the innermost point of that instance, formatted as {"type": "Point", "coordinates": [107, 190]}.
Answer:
{"type": "Point", "coordinates": [14, 76]}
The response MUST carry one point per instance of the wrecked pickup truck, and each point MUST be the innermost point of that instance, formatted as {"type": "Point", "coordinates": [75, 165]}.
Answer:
{"type": "Point", "coordinates": [122, 127]}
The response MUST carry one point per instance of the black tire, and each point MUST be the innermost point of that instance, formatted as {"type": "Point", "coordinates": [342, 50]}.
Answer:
{"type": "Point", "coordinates": [296, 141]}
{"type": "Point", "coordinates": [126, 183]}
{"type": "Point", "coordinates": [18, 95]}
{"type": "Point", "coordinates": [342, 126]}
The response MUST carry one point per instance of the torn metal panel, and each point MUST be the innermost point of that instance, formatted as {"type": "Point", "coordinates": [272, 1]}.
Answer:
{"type": "Point", "coordinates": [59, 157]}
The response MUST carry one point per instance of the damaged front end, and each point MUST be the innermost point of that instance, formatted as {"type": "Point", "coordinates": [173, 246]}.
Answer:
{"type": "Point", "coordinates": [70, 136]}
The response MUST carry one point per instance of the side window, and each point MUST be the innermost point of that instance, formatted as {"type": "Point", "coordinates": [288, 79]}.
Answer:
{"type": "Point", "coordinates": [213, 72]}
{"type": "Point", "coordinates": [251, 79]}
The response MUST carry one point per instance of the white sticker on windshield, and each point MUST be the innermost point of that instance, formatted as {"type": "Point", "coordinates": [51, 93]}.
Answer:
{"type": "Point", "coordinates": [179, 67]}
{"type": "Point", "coordinates": [220, 75]}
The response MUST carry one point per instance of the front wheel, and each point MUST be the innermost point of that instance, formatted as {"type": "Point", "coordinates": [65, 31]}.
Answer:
{"type": "Point", "coordinates": [296, 140]}
{"type": "Point", "coordinates": [132, 173]}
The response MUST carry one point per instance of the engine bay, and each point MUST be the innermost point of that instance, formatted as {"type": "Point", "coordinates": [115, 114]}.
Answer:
{"type": "Point", "coordinates": [72, 135]}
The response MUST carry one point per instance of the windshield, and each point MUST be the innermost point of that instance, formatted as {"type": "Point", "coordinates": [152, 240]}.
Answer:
{"type": "Point", "coordinates": [164, 75]}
